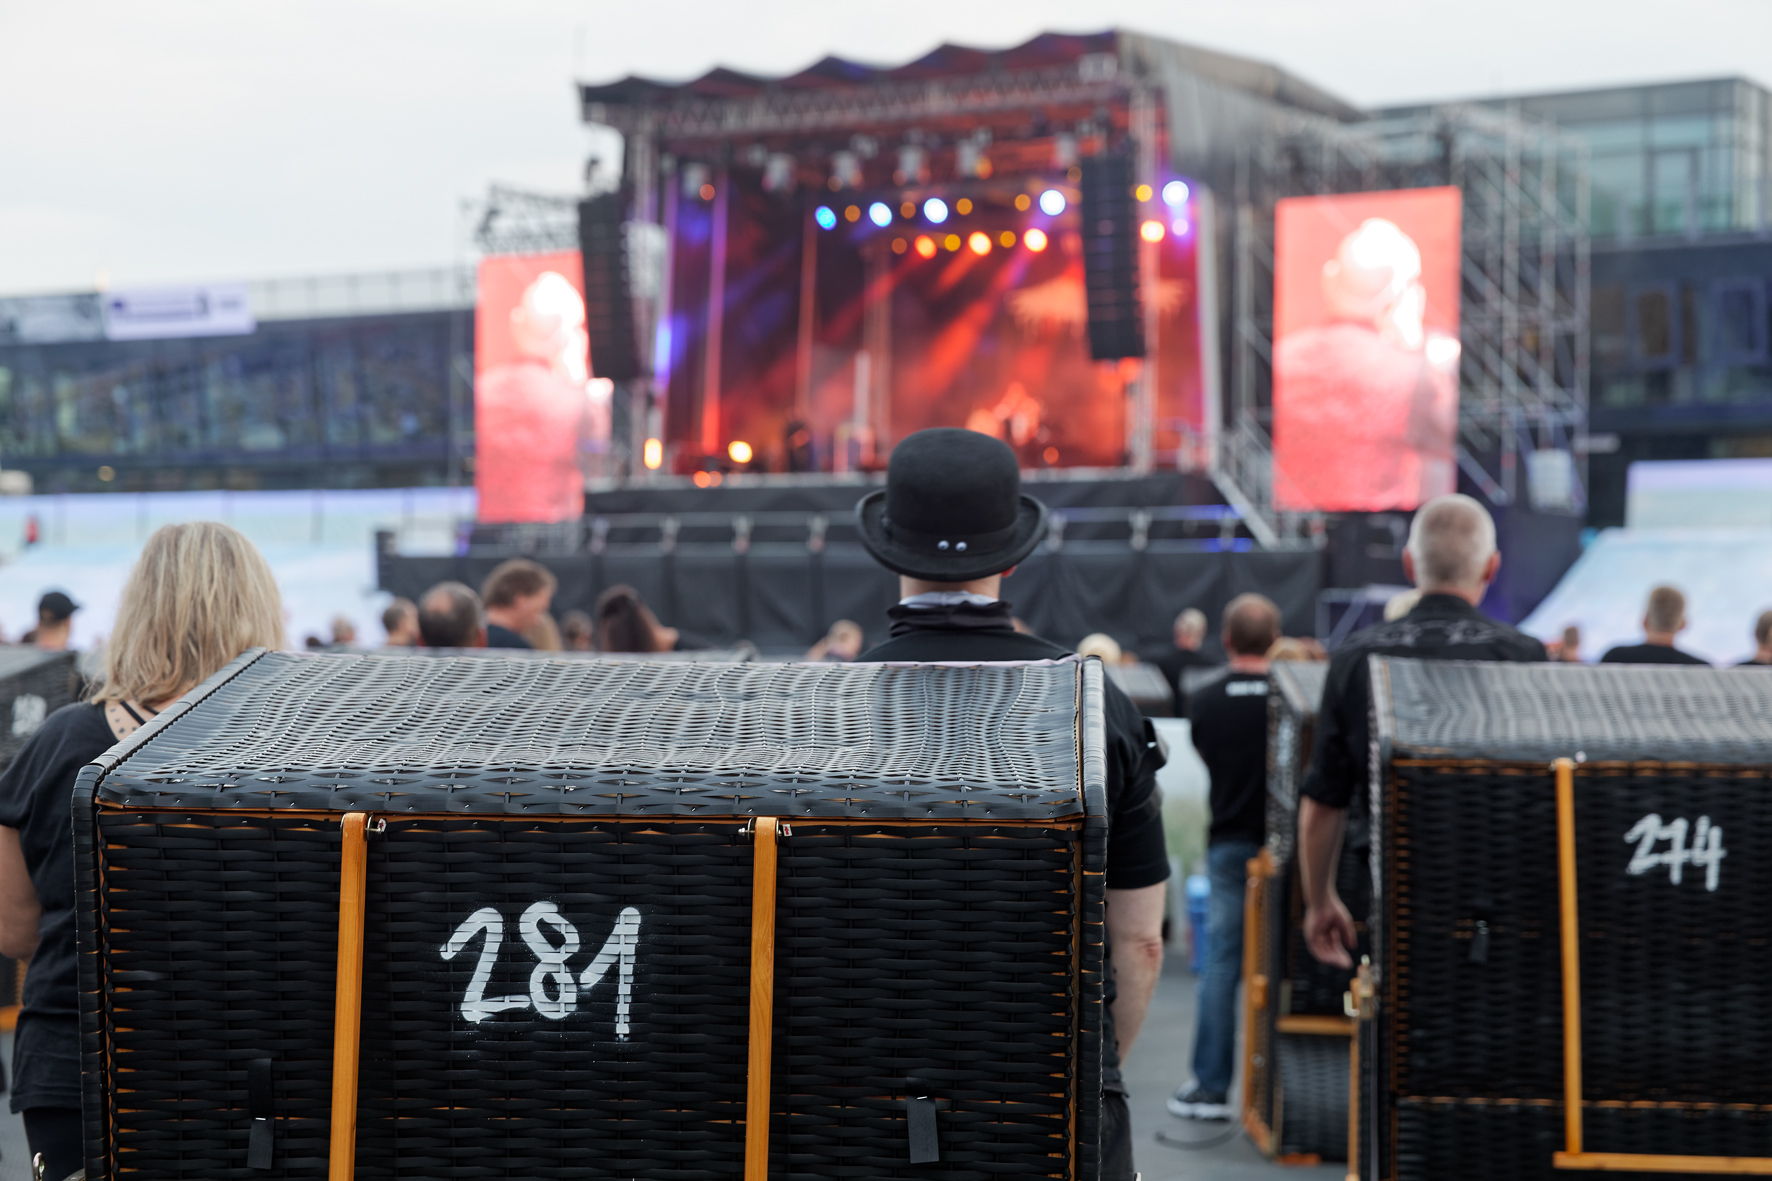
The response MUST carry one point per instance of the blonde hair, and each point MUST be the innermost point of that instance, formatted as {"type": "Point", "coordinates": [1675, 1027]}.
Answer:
{"type": "Point", "coordinates": [199, 595]}
{"type": "Point", "coordinates": [1102, 645]}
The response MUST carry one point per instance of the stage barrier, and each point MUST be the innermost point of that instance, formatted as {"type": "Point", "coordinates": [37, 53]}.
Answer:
{"type": "Point", "coordinates": [378, 916]}
{"type": "Point", "coordinates": [1571, 867]}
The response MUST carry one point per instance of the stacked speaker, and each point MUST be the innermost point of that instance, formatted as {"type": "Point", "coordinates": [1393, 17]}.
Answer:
{"type": "Point", "coordinates": [1572, 872]}
{"type": "Point", "coordinates": [610, 319]}
{"type": "Point", "coordinates": [1110, 256]}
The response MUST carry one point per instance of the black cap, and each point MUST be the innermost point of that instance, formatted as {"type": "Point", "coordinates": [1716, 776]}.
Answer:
{"type": "Point", "coordinates": [55, 606]}
{"type": "Point", "coordinates": [952, 509]}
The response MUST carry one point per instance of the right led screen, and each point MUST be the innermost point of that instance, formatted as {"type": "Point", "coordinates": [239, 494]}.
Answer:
{"type": "Point", "coordinates": [1366, 350]}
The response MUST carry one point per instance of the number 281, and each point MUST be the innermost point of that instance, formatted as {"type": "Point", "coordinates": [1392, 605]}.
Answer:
{"type": "Point", "coordinates": [553, 989]}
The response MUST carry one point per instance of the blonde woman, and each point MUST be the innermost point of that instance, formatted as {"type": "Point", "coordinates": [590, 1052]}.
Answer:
{"type": "Point", "coordinates": [199, 595]}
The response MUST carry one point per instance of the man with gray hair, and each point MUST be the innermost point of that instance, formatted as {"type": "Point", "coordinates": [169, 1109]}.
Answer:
{"type": "Point", "coordinates": [1451, 556]}
{"type": "Point", "coordinates": [1663, 620]}
{"type": "Point", "coordinates": [1183, 655]}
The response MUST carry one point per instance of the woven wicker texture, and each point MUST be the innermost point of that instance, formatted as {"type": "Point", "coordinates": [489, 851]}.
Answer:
{"type": "Point", "coordinates": [946, 958]}
{"type": "Point", "coordinates": [33, 685]}
{"type": "Point", "coordinates": [1534, 713]}
{"type": "Point", "coordinates": [602, 738]}
{"type": "Point", "coordinates": [1313, 1072]}
{"type": "Point", "coordinates": [1674, 987]}
{"type": "Point", "coordinates": [1296, 688]}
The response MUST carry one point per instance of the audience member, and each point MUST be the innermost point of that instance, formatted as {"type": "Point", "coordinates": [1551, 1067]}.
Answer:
{"type": "Point", "coordinates": [199, 596]}
{"type": "Point", "coordinates": [841, 644]}
{"type": "Point", "coordinates": [543, 635]}
{"type": "Point", "coordinates": [1102, 646]}
{"type": "Point", "coordinates": [576, 631]}
{"type": "Point", "coordinates": [959, 523]}
{"type": "Point", "coordinates": [624, 623]}
{"type": "Point", "coordinates": [1763, 642]}
{"type": "Point", "coordinates": [55, 622]}
{"type": "Point", "coordinates": [1300, 648]}
{"type": "Point", "coordinates": [344, 632]}
{"type": "Point", "coordinates": [400, 622]}
{"type": "Point", "coordinates": [1451, 555]}
{"type": "Point", "coordinates": [1229, 730]}
{"type": "Point", "coordinates": [1567, 648]}
{"type": "Point", "coordinates": [449, 616]}
{"type": "Point", "coordinates": [516, 594]}
{"type": "Point", "coordinates": [1663, 621]}
{"type": "Point", "coordinates": [1183, 653]}
{"type": "Point", "coordinates": [1401, 604]}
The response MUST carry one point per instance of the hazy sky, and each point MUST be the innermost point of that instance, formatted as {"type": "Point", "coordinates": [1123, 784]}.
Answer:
{"type": "Point", "coordinates": [158, 140]}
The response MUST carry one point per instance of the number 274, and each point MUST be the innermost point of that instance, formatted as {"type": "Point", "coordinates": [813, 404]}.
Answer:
{"type": "Point", "coordinates": [552, 940]}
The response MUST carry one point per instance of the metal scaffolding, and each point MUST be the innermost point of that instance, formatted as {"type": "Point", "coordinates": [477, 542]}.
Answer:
{"type": "Point", "coordinates": [1524, 307]}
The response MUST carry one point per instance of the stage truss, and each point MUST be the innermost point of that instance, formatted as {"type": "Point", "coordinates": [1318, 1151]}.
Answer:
{"type": "Point", "coordinates": [1524, 321]}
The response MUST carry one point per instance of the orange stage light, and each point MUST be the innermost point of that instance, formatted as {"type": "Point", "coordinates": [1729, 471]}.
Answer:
{"type": "Point", "coordinates": [1153, 231]}
{"type": "Point", "coordinates": [853, 213]}
{"type": "Point", "coordinates": [1023, 203]}
{"type": "Point", "coordinates": [1007, 238]}
{"type": "Point", "coordinates": [1035, 239]}
{"type": "Point", "coordinates": [979, 243]}
{"type": "Point", "coordinates": [707, 192]}
{"type": "Point", "coordinates": [963, 206]}
{"type": "Point", "coordinates": [652, 454]}
{"type": "Point", "coordinates": [899, 246]}
{"type": "Point", "coordinates": [739, 451]}
{"type": "Point", "coordinates": [908, 209]}
{"type": "Point", "coordinates": [952, 242]}
{"type": "Point", "coordinates": [1142, 193]}
{"type": "Point", "coordinates": [925, 246]}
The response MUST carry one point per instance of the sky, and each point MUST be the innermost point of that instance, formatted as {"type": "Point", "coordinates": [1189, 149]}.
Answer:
{"type": "Point", "coordinates": [147, 141]}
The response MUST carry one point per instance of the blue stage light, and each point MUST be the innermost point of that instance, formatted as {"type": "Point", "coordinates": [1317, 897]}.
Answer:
{"type": "Point", "coordinates": [1052, 202]}
{"type": "Point", "coordinates": [1175, 193]}
{"type": "Point", "coordinates": [826, 217]}
{"type": "Point", "coordinates": [936, 210]}
{"type": "Point", "coordinates": [880, 214]}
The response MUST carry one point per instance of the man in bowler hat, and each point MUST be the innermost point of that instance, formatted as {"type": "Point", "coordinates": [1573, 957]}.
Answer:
{"type": "Point", "coordinates": [952, 523]}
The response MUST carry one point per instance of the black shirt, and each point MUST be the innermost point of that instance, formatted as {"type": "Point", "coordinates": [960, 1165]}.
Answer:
{"type": "Point", "coordinates": [1229, 719]}
{"type": "Point", "coordinates": [36, 798]}
{"type": "Point", "coordinates": [1175, 663]}
{"type": "Point", "coordinates": [1650, 654]}
{"type": "Point", "coordinates": [500, 636]}
{"type": "Point", "coordinates": [1441, 627]}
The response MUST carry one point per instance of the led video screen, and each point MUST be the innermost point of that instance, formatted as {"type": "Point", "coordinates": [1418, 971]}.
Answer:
{"type": "Point", "coordinates": [1366, 350]}
{"type": "Point", "coordinates": [538, 416]}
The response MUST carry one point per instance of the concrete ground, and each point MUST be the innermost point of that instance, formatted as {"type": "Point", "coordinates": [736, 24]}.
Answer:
{"type": "Point", "coordinates": [1156, 1067]}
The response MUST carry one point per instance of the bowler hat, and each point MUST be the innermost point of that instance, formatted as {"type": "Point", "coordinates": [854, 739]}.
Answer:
{"type": "Point", "coordinates": [952, 509]}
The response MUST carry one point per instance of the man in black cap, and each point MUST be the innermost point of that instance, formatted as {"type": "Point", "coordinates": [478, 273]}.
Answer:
{"type": "Point", "coordinates": [55, 622]}
{"type": "Point", "coordinates": [952, 523]}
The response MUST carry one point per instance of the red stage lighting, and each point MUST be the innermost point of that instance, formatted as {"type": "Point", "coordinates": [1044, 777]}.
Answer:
{"type": "Point", "coordinates": [1035, 239]}
{"type": "Point", "coordinates": [979, 243]}
{"type": "Point", "coordinates": [925, 246]}
{"type": "Point", "coordinates": [1153, 231]}
{"type": "Point", "coordinates": [707, 192]}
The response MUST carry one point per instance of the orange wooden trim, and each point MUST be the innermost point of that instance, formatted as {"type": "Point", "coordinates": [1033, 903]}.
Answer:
{"type": "Point", "coordinates": [1360, 995]}
{"type": "Point", "coordinates": [1258, 1132]}
{"type": "Point", "coordinates": [347, 1011]}
{"type": "Point", "coordinates": [1316, 1026]}
{"type": "Point", "coordinates": [1254, 1001]}
{"type": "Point", "coordinates": [1572, 1126]}
{"type": "Point", "coordinates": [756, 1120]}
{"type": "Point", "coordinates": [1631, 1162]}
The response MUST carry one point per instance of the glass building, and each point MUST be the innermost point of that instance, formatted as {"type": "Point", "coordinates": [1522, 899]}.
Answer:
{"type": "Point", "coordinates": [344, 383]}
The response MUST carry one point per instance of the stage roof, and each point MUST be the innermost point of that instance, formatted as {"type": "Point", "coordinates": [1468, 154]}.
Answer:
{"type": "Point", "coordinates": [1136, 54]}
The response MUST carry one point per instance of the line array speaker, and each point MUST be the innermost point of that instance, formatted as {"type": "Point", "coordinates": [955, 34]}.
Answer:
{"type": "Point", "coordinates": [609, 292]}
{"type": "Point", "coordinates": [1110, 257]}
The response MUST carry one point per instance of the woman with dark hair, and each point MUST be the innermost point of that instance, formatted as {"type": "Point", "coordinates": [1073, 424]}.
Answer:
{"type": "Point", "coordinates": [624, 623]}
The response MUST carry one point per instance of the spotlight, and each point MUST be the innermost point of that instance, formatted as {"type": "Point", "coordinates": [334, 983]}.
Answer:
{"type": "Point", "coordinates": [951, 242]}
{"type": "Point", "coordinates": [852, 214]}
{"type": "Point", "coordinates": [979, 243]}
{"type": "Point", "coordinates": [739, 451]}
{"type": "Point", "coordinates": [1034, 239]}
{"type": "Point", "coordinates": [908, 210]}
{"type": "Point", "coordinates": [1152, 231]}
{"type": "Point", "coordinates": [1007, 238]}
{"type": "Point", "coordinates": [936, 210]}
{"type": "Point", "coordinates": [1023, 202]}
{"type": "Point", "coordinates": [925, 246]}
{"type": "Point", "coordinates": [826, 217]}
{"type": "Point", "coordinates": [899, 245]}
{"type": "Point", "coordinates": [880, 214]}
{"type": "Point", "coordinates": [707, 192]}
{"type": "Point", "coordinates": [1141, 193]}
{"type": "Point", "coordinates": [963, 206]}
{"type": "Point", "coordinates": [1052, 202]}
{"type": "Point", "coordinates": [1175, 193]}
{"type": "Point", "coordinates": [652, 454]}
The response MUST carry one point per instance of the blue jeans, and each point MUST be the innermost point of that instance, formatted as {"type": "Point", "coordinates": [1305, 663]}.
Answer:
{"type": "Point", "coordinates": [1215, 1022]}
